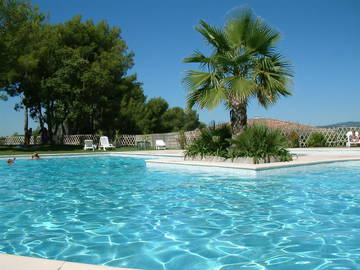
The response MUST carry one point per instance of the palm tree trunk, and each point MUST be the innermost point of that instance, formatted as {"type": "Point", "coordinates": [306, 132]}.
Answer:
{"type": "Point", "coordinates": [238, 118]}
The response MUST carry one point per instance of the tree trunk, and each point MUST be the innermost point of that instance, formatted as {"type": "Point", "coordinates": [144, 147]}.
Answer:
{"type": "Point", "coordinates": [50, 133]}
{"type": "Point", "coordinates": [238, 118]}
{"type": "Point", "coordinates": [42, 125]}
{"type": "Point", "coordinates": [50, 120]}
{"type": "Point", "coordinates": [26, 125]}
{"type": "Point", "coordinates": [42, 130]}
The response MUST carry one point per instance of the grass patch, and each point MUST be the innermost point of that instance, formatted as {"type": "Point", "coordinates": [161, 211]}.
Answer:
{"type": "Point", "coordinates": [53, 149]}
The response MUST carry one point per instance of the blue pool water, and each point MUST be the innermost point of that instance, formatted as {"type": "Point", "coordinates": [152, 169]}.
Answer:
{"type": "Point", "coordinates": [115, 211]}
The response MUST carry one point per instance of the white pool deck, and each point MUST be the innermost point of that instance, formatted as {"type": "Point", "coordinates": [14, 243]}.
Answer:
{"type": "Point", "coordinates": [14, 262]}
{"type": "Point", "coordinates": [309, 156]}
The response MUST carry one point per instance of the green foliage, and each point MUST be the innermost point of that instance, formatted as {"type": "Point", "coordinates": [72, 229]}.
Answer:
{"type": "Point", "coordinates": [243, 64]}
{"type": "Point", "coordinates": [158, 118]}
{"type": "Point", "coordinates": [260, 143]}
{"type": "Point", "coordinates": [293, 139]}
{"type": "Point", "coordinates": [316, 139]}
{"type": "Point", "coordinates": [211, 142]}
{"type": "Point", "coordinates": [173, 119]}
{"type": "Point", "coordinates": [72, 76]}
{"type": "Point", "coordinates": [176, 119]}
{"type": "Point", "coordinates": [20, 24]}
{"type": "Point", "coordinates": [154, 110]}
{"type": "Point", "coordinates": [85, 75]}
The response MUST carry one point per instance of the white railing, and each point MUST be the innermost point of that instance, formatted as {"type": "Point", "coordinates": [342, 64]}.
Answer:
{"type": "Point", "coordinates": [335, 137]}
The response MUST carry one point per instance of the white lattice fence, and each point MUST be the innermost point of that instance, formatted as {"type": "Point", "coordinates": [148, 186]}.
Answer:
{"type": "Point", "coordinates": [125, 140]}
{"type": "Point", "coordinates": [335, 137]}
{"type": "Point", "coordinates": [35, 140]}
{"type": "Point", "coordinates": [77, 139]}
{"type": "Point", "coordinates": [12, 140]}
{"type": "Point", "coordinates": [18, 140]}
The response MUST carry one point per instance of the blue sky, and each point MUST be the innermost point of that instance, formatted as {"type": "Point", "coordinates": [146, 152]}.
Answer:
{"type": "Point", "coordinates": [321, 38]}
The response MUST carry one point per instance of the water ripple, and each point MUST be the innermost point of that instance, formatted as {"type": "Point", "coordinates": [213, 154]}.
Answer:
{"type": "Point", "coordinates": [115, 211]}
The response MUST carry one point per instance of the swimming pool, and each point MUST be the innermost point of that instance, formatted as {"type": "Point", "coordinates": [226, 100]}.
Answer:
{"type": "Point", "coordinates": [113, 210]}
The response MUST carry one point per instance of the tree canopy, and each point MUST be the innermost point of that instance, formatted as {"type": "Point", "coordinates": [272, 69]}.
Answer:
{"type": "Point", "coordinates": [20, 25]}
{"type": "Point", "coordinates": [73, 76]}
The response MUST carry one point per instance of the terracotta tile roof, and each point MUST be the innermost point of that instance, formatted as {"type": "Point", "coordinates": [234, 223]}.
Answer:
{"type": "Point", "coordinates": [273, 123]}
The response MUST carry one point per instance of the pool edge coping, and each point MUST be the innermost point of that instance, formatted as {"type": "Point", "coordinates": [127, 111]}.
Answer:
{"type": "Point", "coordinates": [250, 167]}
{"type": "Point", "coordinates": [167, 157]}
{"type": "Point", "coordinates": [19, 262]}
{"type": "Point", "coordinates": [123, 153]}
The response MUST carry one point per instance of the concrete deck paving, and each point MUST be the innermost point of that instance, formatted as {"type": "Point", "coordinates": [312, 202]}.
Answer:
{"type": "Point", "coordinates": [14, 262]}
{"type": "Point", "coordinates": [301, 160]}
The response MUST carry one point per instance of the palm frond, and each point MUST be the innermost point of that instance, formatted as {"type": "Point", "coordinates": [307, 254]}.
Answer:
{"type": "Point", "coordinates": [205, 89]}
{"type": "Point", "coordinates": [214, 36]}
{"type": "Point", "coordinates": [248, 32]}
{"type": "Point", "coordinates": [237, 28]}
{"type": "Point", "coordinates": [240, 88]}
{"type": "Point", "coordinates": [197, 57]}
{"type": "Point", "coordinates": [201, 59]}
{"type": "Point", "coordinates": [195, 79]}
{"type": "Point", "coordinates": [262, 38]}
{"type": "Point", "coordinates": [206, 97]}
{"type": "Point", "coordinates": [272, 76]}
{"type": "Point", "coordinates": [243, 64]}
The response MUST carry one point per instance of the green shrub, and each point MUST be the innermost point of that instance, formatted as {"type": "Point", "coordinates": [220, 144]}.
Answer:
{"type": "Point", "coordinates": [260, 143]}
{"type": "Point", "coordinates": [293, 139]}
{"type": "Point", "coordinates": [316, 139]}
{"type": "Point", "coordinates": [211, 142]}
{"type": "Point", "coordinates": [182, 139]}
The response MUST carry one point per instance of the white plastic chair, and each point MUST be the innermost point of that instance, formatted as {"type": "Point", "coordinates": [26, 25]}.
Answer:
{"type": "Point", "coordinates": [352, 141]}
{"type": "Point", "coordinates": [160, 144]}
{"type": "Point", "coordinates": [104, 143]}
{"type": "Point", "coordinates": [89, 145]}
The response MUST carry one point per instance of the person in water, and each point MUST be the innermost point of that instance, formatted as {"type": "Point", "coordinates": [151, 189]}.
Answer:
{"type": "Point", "coordinates": [11, 161]}
{"type": "Point", "coordinates": [35, 156]}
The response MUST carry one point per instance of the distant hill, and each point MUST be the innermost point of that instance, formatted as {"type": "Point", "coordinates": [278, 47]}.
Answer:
{"type": "Point", "coordinates": [344, 124]}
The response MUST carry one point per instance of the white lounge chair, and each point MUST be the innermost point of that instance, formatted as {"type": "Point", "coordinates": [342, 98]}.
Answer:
{"type": "Point", "coordinates": [351, 140]}
{"type": "Point", "coordinates": [104, 143]}
{"type": "Point", "coordinates": [160, 144]}
{"type": "Point", "coordinates": [89, 145]}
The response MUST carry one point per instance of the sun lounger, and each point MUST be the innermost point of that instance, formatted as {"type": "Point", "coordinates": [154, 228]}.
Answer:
{"type": "Point", "coordinates": [89, 145]}
{"type": "Point", "coordinates": [104, 143]}
{"type": "Point", "coordinates": [160, 144]}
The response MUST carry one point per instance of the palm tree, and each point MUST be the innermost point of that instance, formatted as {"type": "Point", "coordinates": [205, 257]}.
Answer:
{"type": "Point", "coordinates": [244, 64]}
